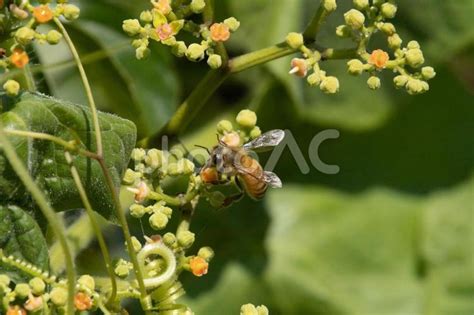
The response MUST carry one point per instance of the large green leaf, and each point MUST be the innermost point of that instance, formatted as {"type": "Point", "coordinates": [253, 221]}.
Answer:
{"type": "Point", "coordinates": [144, 91]}
{"type": "Point", "coordinates": [46, 160]}
{"type": "Point", "coordinates": [21, 237]}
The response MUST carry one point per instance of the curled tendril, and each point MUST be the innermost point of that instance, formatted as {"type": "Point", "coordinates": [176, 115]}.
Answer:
{"type": "Point", "coordinates": [160, 249]}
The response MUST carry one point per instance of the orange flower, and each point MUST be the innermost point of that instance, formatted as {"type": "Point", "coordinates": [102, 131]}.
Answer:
{"type": "Point", "coordinates": [299, 67]}
{"type": "Point", "coordinates": [43, 14]}
{"type": "Point", "coordinates": [219, 32]}
{"type": "Point", "coordinates": [82, 301]}
{"type": "Point", "coordinates": [379, 58]}
{"type": "Point", "coordinates": [198, 266]}
{"type": "Point", "coordinates": [16, 310]}
{"type": "Point", "coordinates": [164, 31]}
{"type": "Point", "coordinates": [19, 58]}
{"type": "Point", "coordinates": [33, 303]}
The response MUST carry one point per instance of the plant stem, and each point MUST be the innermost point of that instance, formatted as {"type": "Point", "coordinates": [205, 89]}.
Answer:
{"type": "Point", "coordinates": [315, 24]}
{"type": "Point", "coordinates": [87, 87]}
{"type": "Point", "coordinates": [95, 227]}
{"type": "Point", "coordinates": [258, 57]}
{"type": "Point", "coordinates": [125, 229]}
{"type": "Point", "coordinates": [30, 80]}
{"type": "Point", "coordinates": [44, 136]}
{"type": "Point", "coordinates": [191, 106]}
{"type": "Point", "coordinates": [47, 211]}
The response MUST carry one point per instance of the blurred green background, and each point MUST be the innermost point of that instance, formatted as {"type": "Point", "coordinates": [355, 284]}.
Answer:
{"type": "Point", "coordinates": [392, 233]}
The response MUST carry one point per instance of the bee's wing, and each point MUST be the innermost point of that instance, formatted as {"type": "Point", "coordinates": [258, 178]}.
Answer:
{"type": "Point", "coordinates": [272, 179]}
{"type": "Point", "coordinates": [269, 139]}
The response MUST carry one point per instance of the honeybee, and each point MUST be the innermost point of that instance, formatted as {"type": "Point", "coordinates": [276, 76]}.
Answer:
{"type": "Point", "coordinates": [231, 159]}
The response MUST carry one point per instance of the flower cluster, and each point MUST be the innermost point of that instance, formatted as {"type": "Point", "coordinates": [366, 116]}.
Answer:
{"type": "Point", "coordinates": [166, 21]}
{"type": "Point", "coordinates": [250, 309]}
{"type": "Point", "coordinates": [22, 21]}
{"type": "Point", "coordinates": [361, 23]}
{"type": "Point", "coordinates": [44, 293]}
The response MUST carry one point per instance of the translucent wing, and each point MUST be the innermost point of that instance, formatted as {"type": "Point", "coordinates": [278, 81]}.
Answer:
{"type": "Point", "coordinates": [272, 180]}
{"type": "Point", "coordinates": [266, 141]}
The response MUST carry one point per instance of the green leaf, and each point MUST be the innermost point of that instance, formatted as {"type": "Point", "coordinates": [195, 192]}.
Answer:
{"type": "Point", "coordinates": [21, 237]}
{"type": "Point", "coordinates": [143, 91]}
{"type": "Point", "coordinates": [46, 162]}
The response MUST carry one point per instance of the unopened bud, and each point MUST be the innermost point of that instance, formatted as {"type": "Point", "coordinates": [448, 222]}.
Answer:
{"type": "Point", "coordinates": [255, 133]}
{"type": "Point", "coordinates": [71, 12]}
{"type": "Point", "coordinates": [355, 19]}
{"type": "Point", "coordinates": [414, 57]}
{"type": "Point", "coordinates": [146, 16]}
{"type": "Point", "coordinates": [401, 80]}
{"type": "Point", "coordinates": [343, 31]}
{"type": "Point", "coordinates": [87, 281]}
{"type": "Point", "coordinates": [22, 290]}
{"type": "Point", "coordinates": [186, 238]}
{"type": "Point", "coordinates": [142, 52]}
{"type": "Point", "coordinates": [214, 61]}
{"type": "Point", "coordinates": [355, 67]}
{"type": "Point", "coordinates": [428, 73]}
{"type": "Point", "coordinates": [131, 26]}
{"type": "Point", "coordinates": [389, 10]}
{"type": "Point", "coordinates": [169, 239]}
{"type": "Point", "coordinates": [197, 6]}
{"type": "Point", "coordinates": [195, 52]}
{"type": "Point", "coordinates": [158, 221]}
{"type": "Point", "coordinates": [330, 5]}
{"type": "Point", "coordinates": [361, 4]}
{"type": "Point", "coordinates": [224, 126]}
{"type": "Point", "coordinates": [11, 87]}
{"type": "Point", "coordinates": [329, 85]}
{"type": "Point", "coordinates": [373, 82]}
{"type": "Point", "coordinates": [232, 23]}
{"type": "Point", "coordinates": [179, 49]}
{"type": "Point", "coordinates": [53, 37]}
{"type": "Point", "coordinates": [295, 40]}
{"type": "Point", "coordinates": [394, 41]}
{"type": "Point", "coordinates": [58, 296]}
{"type": "Point", "coordinates": [388, 28]}
{"type": "Point", "coordinates": [206, 253]}
{"type": "Point", "coordinates": [37, 286]}
{"type": "Point", "coordinates": [247, 119]}
{"type": "Point", "coordinates": [24, 35]}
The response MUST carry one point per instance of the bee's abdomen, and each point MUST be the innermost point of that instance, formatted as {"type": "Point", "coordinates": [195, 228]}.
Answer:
{"type": "Point", "coordinates": [252, 179]}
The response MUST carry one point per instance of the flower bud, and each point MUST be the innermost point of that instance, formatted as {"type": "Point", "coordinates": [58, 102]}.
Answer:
{"type": "Point", "coordinates": [142, 52]}
{"type": "Point", "coordinates": [71, 12]}
{"type": "Point", "coordinates": [53, 37]}
{"type": "Point", "coordinates": [224, 126]}
{"type": "Point", "coordinates": [37, 286]}
{"type": "Point", "coordinates": [138, 154]}
{"type": "Point", "coordinates": [389, 10]}
{"type": "Point", "coordinates": [169, 239]}
{"type": "Point", "coordinates": [199, 266]}
{"type": "Point", "coordinates": [248, 309]}
{"type": "Point", "coordinates": [415, 86]}
{"type": "Point", "coordinates": [206, 253]}
{"type": "Point", "coordinates": [330, 5]}
{"type": "Point", "coordinates": [17, 12]}
{"type": "Point", "coordinates": [413, 44]}
{"type": "Point", "coordinates": [131, 26]}
{"type": "Point", "coordinates": [401, 80]}
{"type": "Point", "coordinates": [163, 6]}
{"type": "Point", "coordinates": [232, 23]}
{"type": "Point", "coordinates": [58, 296]}
{"type": "Point", "coordinates": [195, 52]}
{"type": "Point", "coordinates": [388, 28]}
{"type": "Point", "coordinates": [314, 79]}
{"type": "Point", "coordinates": [24, 35]}
{"type": "Point", "coordinates": [214, 61]}
{"type": "Point", "coordinates": [4, 280]}
{"type": "Point", "coordinates": [355, 19]}
{"type": "Point", "coordinates": [11, 87]}
{"type": "Point", "coordinates": [428, 73]}
{"type": "Point", "coordinates": [154, 158]}
{"type": "Point", "coordinates": [130, 177]}
{"type": "Point", "coordinates": [255, 133]}
{"type": "Point", "coordinates": [355, 67]}
{"type": "Point", "coordinates": [262, 310]}
{"type": "Point", "coordinates": [179, 49]}
{"type": "Point", "coordinates": [394, 41]}
{"type": "Point", "coordinates": [361, 4]}
{"type": "Point", "coordinates": [158, 221]}
{"type": "Point", "coordinates": [185, 239]}
{"type": "Point", "coordinates": [247, 119]}
{"type": "Point", "coordinates": [22, 290]}
{"type": "Point", "coordinates": [197, 6]}
{"type": "Point", "coordinates": [231, 139]}
{"type": "Point", "coordinates": [295, 40]}
{"type": "Point", "coordinates": [414, 57]}
{"type": "Point", "coordinates": [87, 281]}
{"type": "Point", "coordinates": [329, 85]}
{"type": "Point", "coordinates": [137, 211]}
{"type": "Point", "coordinates": [146, 16]}
{"type": "Point", "coordinates": [343, 31]}
{"type": "Point", "coordinates": [136, 244]}
{"type": "Point", "coordinates": [373, 82]}
{"type": "Point", "coordinates": [122, 269]}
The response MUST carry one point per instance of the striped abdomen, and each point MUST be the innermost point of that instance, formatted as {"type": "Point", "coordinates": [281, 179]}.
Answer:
{"type": "Point", "coordinates": [251, 176]}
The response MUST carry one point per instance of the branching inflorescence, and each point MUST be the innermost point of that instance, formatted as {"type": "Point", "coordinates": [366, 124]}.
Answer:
{"type": "Point", "coordinates": [164, 182]}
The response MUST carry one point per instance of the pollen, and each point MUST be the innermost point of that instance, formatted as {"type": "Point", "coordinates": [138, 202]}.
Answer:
{"type": "Point", "coordinates": [43, 14]}
{"type": "Point", "coordinates": [19, 58]}
{"type": "Point", "coordinates": [219, 32]}
{"type": "Point", "coordinates": [164, 31]}
{"type": "Point", "coordinates": [82, 301]}
{"type": "Point", "coordinates": [379, 59]}
{"type": "Point", "coordinates": [199, 266]}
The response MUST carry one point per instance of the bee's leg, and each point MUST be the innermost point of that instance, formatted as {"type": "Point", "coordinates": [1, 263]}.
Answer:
{"type": "Point", "coordinates": [231, 199]}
